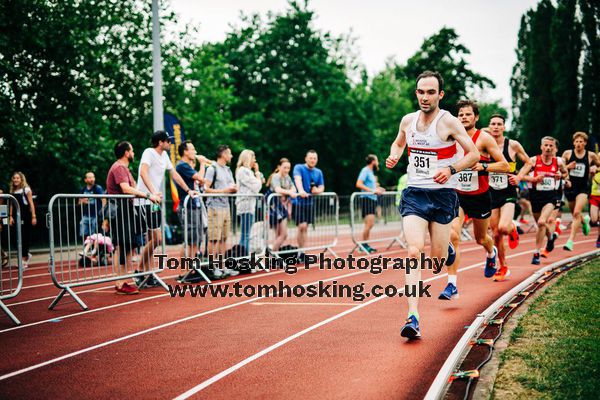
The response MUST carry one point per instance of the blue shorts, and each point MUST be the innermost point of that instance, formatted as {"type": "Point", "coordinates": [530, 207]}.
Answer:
{"type": "Point", "coordinates": [433, 205]}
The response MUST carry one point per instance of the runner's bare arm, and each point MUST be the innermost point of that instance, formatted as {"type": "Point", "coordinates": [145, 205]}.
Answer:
{"type": "Point", "coordinates": [562, 167]}
{"type": "Point", "coordinates": [524, 171]}
{"type": "Point", "coordinates": [397, 147]}
{"type": "Point", "coordinates": [493, 150]}
{"type": "Point", "coordinates": [457, 131]}
{"type": "Point", "coordinates": [520, 151]}
{"type": "Point", "coordinates": [565, 156]}
{"type": "Point", "coordinates": [521, 155]}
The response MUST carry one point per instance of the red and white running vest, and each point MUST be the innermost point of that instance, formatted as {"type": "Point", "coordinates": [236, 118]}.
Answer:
{"type": "Point", "coordinates": [471, 182]}
{"type": "Point", "coordinates": [427, 153]}
{"type": "Point", "coordinates": [548, 183]}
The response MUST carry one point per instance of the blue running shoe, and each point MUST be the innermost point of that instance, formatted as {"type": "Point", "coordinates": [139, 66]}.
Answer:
{"type": "Point", "coordinates": [536, 259]}
{"type": "Point", "coordinates": [451, 255]}
{"type": "Point", "coordinates": [411, 329]}
{"type": "Point", "coordinates": [449, 292]}
{"type": "Point", "coordinates": [490, 264]}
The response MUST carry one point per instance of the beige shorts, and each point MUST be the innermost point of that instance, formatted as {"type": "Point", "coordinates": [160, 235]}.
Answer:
{"type": "Point", "coordinates": [219, 223]}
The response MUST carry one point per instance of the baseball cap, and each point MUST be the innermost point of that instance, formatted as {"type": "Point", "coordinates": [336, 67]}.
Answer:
{"type": "Point", "coordinates": [160, 136]}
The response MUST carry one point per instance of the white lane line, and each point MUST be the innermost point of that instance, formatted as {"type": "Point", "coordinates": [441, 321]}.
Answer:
{"type": "Point", "coordinates": [469, 249]}
{"type": "Point", "coordinates": [302, 304]}
{"type": "Point", "coordinates": [49, 320]}
{"type": "Point", "coordinates": [143, 299]}
{"type": "Point", "coordinates": [269, 349]}
{"type": "Point", "coordinates": [208, 312]}
{"type": "Point", "coordinates": [155, 328]}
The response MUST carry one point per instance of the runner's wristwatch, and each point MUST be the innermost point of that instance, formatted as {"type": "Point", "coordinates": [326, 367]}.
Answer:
{"type": "Point", "coordinates": [452, 170]}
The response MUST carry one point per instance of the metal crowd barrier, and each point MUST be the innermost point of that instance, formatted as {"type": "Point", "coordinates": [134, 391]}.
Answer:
{"type": "Point", "coordinates": [107, 251]}
{"type": "Point", "coordinates": [388, 221]}
{"type": "Point", "coordinates": [10, 250]}
{"type": "Point", "coordinates": [227, 225]}
{"type": "Point", "coordinates": [320, 213]}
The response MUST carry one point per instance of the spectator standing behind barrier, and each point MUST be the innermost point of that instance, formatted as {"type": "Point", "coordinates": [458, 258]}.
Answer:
{"type": "Point", "coordinates": [249, 181]}
{"type": "Point", "coordinates": [366, 182]}
{"type": "Point", "coordinates": [155, 161]}
{"type": "Point", "coordinates": [22, 192]}
{"type": "Point", "coordinates": [195, 207]}
{"type": "Point", "coordinates": [281, 182]}
{"type": "Point", "coordinates": [90, 206]}
{"type": "Point", "coordinates": [309, 181]}
{"type": "Point", "coordinates": [120, 181]}
{"type": "Point", "coordinates": [219, 179]}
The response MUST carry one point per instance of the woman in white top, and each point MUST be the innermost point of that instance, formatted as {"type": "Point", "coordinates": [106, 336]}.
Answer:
{"type": "Point", "coordinates": [22, 192]}
{"type": "Point", "coordinates": [281, 182]}
{"type": "Point", "coordinates": [250, 181]}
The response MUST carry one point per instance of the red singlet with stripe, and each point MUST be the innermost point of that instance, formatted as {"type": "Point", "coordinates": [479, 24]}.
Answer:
{"type": "Point", "coordinates": [548, 171]}
{"type": "Point", "coordinates": [470, 182]}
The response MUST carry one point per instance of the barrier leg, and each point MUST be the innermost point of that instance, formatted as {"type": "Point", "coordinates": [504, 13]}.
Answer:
{"type": "Point", "coordinates": [160, 281]}
{"type": "Point", "coordinates": [9, 313]}
{"type": "Point", "coordinates": [73, 295]}
{"type": "Point", "coordinates": [329, 249]}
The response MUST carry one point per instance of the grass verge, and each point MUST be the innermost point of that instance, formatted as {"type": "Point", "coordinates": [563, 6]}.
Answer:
{"type": "Point", "coordinates": [554, 352]}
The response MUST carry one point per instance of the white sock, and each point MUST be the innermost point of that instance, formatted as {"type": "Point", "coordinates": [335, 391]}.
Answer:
{"type": "Point", "coordinates": [537, 250]}
{"type": "Point", "coordinates": [452, 279]}
{"type": "Point", "coordinates": [490, 255]}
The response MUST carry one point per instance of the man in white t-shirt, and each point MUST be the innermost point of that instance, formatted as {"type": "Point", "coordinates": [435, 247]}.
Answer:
{"type": "Point", "coordinates": [155, 161]}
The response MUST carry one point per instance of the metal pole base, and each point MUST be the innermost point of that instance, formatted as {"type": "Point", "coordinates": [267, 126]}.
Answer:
{"type": "Point", "coordinates": [10, 314]}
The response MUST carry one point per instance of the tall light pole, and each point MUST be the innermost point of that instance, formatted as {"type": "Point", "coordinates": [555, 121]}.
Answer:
{"type": "Point", "coordinates": [157, 105]}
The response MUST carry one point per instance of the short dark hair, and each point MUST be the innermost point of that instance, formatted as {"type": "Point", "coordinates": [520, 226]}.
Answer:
{"type": "Point", "coordinates": [370, 158]}
{"type": "Point", "coordinates": [311, 151]}
{"type": "Point", "coordinates": [221, 149]}
{"type": "Point", "coordinates": [497, 115]}
{"type": "Point", "coordinates": [431, 74]}
{"type": "Point", "coordinates": [468, 103]}
{"type": "Point", "coordinates": [183, 147]}
{"type": "Point", "coordinates": [121, 148]}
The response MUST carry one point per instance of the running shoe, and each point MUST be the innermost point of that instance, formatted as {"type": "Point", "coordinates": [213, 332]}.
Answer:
{"type": "Point", "coordinates": [569, 245]}
{"type": "Point", "coordinates": [502, 273]}
{"type": "Point", "coordinates": [490, 264]}
{"type": "Point", "coordinates": [598, 242]}
{"type": "Point", "coordinates": [550, 244]}
{"type": "Point", "coordinates": [371, 250]}
{"type": "Point", "coordinates": [558, 228]}
{"type": "Point", "coordinates": [585, 227]}
{"type": "Point", "coordinates": [513, 238]}
{"type": "Point", "coordinates": [450, 292]}
{"type": "Point", "coordinates": [411, 329]}
{"type": "Point", "coordinates": [451, 255]}
{"type": "Point", "coordinates": [523, 221]}
{"type": "Point", "coordinates": [126, 289]}
{"type": "Point", "coordinates": [536, 259]}
{"type": "Point", "coordinates": [545, 253]}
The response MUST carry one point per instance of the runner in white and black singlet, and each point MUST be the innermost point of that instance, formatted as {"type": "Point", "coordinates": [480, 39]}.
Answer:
{"type": "Point", "coordinates": [429, 203]}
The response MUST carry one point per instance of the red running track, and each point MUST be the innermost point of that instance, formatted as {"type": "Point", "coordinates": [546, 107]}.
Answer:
{"type": "Point", "coordinates": [154, 346]}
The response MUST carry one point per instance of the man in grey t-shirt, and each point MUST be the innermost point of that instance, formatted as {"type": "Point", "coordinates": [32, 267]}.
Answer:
{"type": "Point", "coordinates": [219, 179]}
